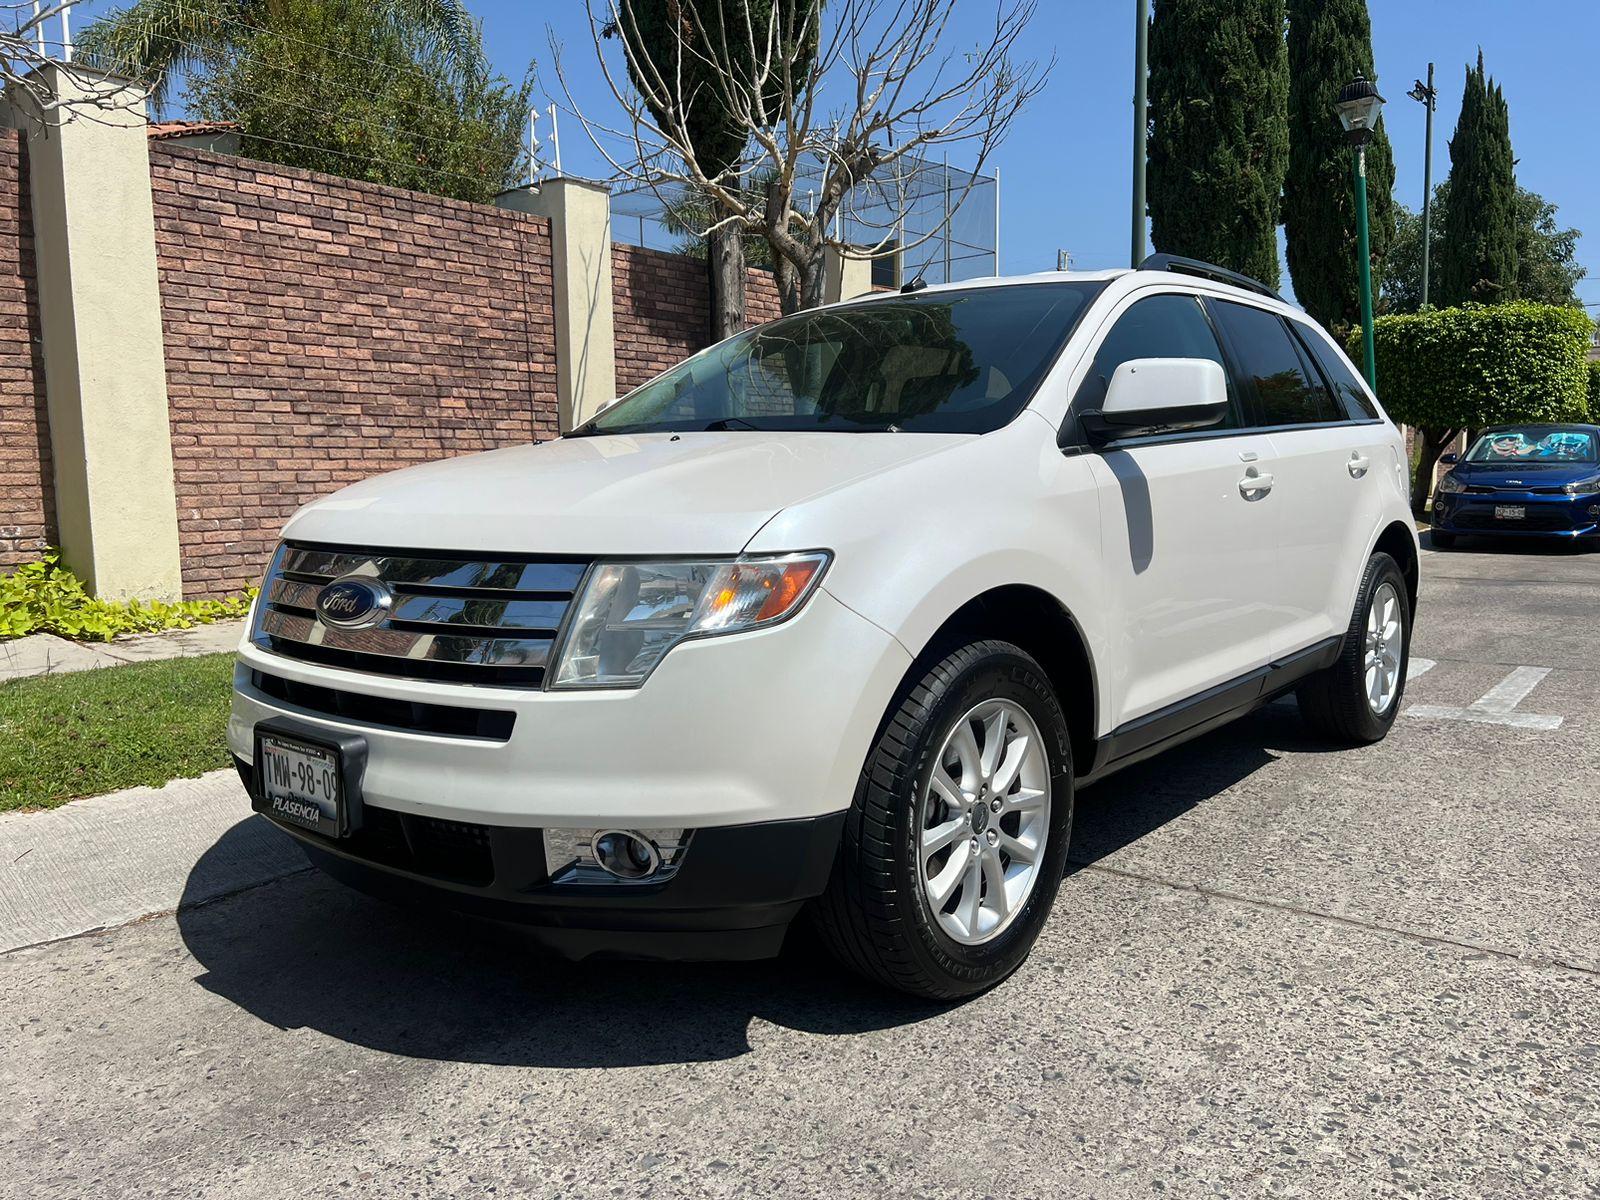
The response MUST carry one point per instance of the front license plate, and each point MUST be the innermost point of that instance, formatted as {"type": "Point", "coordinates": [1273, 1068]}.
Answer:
{"type": "Point", "coordinates": [1510, 512]}
{"type": "Point", "coordinates": [301, 783]}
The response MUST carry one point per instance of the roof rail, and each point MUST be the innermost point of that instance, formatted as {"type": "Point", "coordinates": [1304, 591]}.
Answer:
{"type": "Point", "coordinates": [1205, 270]}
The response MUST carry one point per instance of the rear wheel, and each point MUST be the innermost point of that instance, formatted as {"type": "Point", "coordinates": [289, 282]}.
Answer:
{"type": "Point", "coordinates": [1355, 701]}
{"type": "Point", "coordinates": [957, 836]}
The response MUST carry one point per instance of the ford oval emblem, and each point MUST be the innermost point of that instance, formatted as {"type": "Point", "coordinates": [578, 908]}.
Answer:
{"type": "Point", "coordinates": [354, 602]}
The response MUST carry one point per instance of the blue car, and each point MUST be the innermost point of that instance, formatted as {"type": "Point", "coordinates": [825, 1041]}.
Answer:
{"type": "Point", "coordinates": [1522, 481]}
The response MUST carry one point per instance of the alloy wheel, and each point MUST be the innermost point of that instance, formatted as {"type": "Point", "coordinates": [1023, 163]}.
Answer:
{"type": "Point", "coordinates": [982, 822]}
{"type": "Point", "coordinates": [1385, 638]}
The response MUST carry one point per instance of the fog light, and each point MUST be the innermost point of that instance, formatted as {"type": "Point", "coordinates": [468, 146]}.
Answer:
{"type": "Point", "coordinates": [625, 854]}
{"type": "Point", "coordinates": [1594, 510]}
{"type": "Point", "coordinates": [609, 856]}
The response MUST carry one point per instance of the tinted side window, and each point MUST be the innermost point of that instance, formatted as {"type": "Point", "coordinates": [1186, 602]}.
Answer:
{"type": "Point", "coordinates": [1169, 326]}
{"type": "Point", "coordinates": [1288, 390]}
{"type": "Point", "coordinates": [1358, 406]}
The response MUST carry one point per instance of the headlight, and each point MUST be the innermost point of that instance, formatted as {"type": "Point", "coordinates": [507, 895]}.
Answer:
{"type": "Point", "coordinates": [631, 613]}
{"type": "Point", "coordinates": [1450, 485]}
{"type": "Point", "coordinates": [1584, 487]}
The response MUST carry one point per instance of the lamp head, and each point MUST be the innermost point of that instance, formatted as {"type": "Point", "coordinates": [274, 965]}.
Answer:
{"type": "Point", "coordinates": [1359, 105]}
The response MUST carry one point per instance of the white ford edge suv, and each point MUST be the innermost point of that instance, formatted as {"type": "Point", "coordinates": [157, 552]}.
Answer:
{"type": "Point", "coordinates": [836, 615]}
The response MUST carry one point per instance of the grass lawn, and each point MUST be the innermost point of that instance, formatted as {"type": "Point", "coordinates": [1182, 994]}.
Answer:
{"type": "Point", "coordinates": [90, 732]}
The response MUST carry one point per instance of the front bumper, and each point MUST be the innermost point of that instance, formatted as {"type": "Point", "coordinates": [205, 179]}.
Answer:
{"type": "Point", "coordinates": [733, 897]}
{"type": "Point", "coordinates": [1544, 516]}
{"type": "Point", "coordinates": [754, 742]}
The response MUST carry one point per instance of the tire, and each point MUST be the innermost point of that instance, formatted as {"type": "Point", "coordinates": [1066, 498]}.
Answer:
{"type": "Point", "coordinates": [1442, 541]}
{"type": "Point", "coordinates": [878, 915]}
{"type": "Point", "coordinates": [1334, 703]}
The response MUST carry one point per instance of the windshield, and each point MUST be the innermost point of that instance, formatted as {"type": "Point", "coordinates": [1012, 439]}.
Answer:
{"type": "Point", "coordinates": [947, 362]}
{"type": "Point", "coordinates": [1534, 444]}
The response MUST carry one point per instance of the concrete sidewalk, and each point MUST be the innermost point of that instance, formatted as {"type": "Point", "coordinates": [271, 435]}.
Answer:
{"type": "Point", "coordinates": [46, 654]}
{"type": "Point", "coordinates": [108, 860]}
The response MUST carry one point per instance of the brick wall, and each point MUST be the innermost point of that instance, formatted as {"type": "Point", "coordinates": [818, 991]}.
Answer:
{"type": "Point", "coordinates": [661, 309]}
{"type": "Point", "coordinates": [27, 500]}
{"type": "Point", "coordinates": [320, 330]}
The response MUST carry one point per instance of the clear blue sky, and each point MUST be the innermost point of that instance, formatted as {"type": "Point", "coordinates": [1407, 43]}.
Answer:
{"type": "Point", "coordinates": [1066, 169]}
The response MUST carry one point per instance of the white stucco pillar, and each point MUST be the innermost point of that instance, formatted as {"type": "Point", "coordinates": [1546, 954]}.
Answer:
{"type": "Point", "coordinates": [100, 316]}
{"type": "Point", "coordinates": [580, 239]}
{"type": "Point", "coordinates": [844, 276]}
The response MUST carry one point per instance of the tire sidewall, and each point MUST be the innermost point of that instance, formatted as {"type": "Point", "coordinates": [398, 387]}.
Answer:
{"type": "Point", "coordinates": [1003, 672]}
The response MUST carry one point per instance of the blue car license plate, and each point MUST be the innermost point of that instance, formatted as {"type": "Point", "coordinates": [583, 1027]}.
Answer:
{"type": "Point", "coordinates": [1510, 512]}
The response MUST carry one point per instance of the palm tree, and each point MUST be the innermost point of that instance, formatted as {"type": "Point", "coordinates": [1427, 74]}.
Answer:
{"type": "Point", "coordinates": [152, 41]}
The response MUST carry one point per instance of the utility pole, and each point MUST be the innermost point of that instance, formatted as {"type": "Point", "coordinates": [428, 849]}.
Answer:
{"type": "Point", "coordinates": [1427, 94]}
{"type": "Point", "coordinates": [1141, 124]}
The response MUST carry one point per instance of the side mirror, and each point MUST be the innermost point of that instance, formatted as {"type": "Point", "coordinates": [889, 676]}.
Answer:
{"type": "Point", "coordinates": [1149, 396]}
{"type": "Point", "coordinates": [1450, 460]}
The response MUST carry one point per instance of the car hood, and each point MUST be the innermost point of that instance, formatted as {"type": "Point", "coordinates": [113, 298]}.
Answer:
{"type": "Point", "coordinates": [1532, 473]}
{"type": "Point", "coordinates": [688, 493]}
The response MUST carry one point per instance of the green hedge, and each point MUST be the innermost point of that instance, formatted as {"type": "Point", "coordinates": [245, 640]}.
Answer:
{"type": "Point", "coordinates": [1464, 368]}
{"type": "Point", "coordinates": [1594, 390]}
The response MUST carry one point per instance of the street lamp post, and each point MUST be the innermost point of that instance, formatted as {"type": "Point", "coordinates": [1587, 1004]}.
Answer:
{"type": "Point", "coordinates": [1141, 123]}
{"type": "Point", "coordinates": [1359, 105]}
{"type": "Point", "coordinates": [1426, 93]}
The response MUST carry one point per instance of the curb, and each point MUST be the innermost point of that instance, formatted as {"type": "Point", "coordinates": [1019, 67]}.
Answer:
{"type": "Point", "coordinates": [96, 863]}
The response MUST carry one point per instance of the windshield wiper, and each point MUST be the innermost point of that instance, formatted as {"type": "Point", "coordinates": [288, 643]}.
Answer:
{"type": "Point", "coordinates": [723, 424]}
{"type": "Point", "coordinates": [587, 429]}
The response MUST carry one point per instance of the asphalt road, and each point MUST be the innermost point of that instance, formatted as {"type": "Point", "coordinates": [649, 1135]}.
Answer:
{"type": "Point", "coordinates": [1273, 970]}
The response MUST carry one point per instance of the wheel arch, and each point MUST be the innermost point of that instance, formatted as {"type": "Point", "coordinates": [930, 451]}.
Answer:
{"type": "Point", "coordinates": [1399, 541]}
{"type": "Point", "coordinates": [1034, 620]}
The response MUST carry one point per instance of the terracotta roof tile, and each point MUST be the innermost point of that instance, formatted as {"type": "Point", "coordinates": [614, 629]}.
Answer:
{"type": "Point", "coordinates": [172, 129]}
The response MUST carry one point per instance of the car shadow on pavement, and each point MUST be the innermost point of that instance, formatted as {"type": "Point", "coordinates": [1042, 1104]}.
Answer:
{"type": "Point", "coordinates": [1137, 801]}
{"type": "Point", "coordinates": [305, 952]}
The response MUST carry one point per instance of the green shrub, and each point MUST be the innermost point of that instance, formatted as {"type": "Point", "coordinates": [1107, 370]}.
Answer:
{"type": "Point", "coordinates": [1594, 391]}
{"type": "Point", "coordinates": [1453, 369]}
{"type": "Point", "coordinates": [45, 597]}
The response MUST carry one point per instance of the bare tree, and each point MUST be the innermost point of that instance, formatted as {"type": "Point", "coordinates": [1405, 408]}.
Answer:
{"type": "Point", "coordinates": [34, 35]}
{"type": "Point", "coordinates": [881, 93]}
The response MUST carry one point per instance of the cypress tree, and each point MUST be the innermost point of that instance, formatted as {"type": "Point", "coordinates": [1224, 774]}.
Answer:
{"type": "Point", "coordinates": [1330, 43]}
{"type": "Point", "coordinates": [1219, 143]}
{"type": "Point", "coordinates": [1479, 259]}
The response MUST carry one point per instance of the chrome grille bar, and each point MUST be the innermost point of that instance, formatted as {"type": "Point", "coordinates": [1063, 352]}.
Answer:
{"type": "Point", "coordinates": [436, 575]}
{"type": "Point", "coordinates": [491, 621]}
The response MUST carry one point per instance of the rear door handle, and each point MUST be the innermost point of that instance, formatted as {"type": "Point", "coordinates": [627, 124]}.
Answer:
{"type": "Point", "coordinates": [1255, 484]}
{"type": "Point", "coordinates": [1358, 465]}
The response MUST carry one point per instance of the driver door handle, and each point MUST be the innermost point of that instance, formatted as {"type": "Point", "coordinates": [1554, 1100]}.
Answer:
{"type": "Point", "coordinates": [1255, 484]}
{"type": "Point", "coordinates": [1358, 465]}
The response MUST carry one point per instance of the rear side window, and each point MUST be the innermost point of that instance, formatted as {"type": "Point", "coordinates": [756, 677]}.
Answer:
{"type": "Point", "coordinates": [1166, 326]}
{"type": "Point", "coordinates": [1289, 391]}
{"type": "Point", "coordinates": [1358, 406]}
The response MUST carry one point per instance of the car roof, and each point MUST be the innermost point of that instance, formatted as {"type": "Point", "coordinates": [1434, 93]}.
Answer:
{"type": "Point", "coordinates": [1131, 278]}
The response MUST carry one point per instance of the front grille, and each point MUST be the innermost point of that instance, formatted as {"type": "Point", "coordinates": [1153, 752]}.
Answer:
{"type": "Point", "coordinates": [1540, 518]}
{"type": "Point", "coordinates": [1492, 489]}
{"type": "Point", "coordinates": [485, 620]}
{"type": "Point", "coordinates": [442, 720]}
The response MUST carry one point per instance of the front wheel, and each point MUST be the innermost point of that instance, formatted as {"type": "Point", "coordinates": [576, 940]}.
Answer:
{"type": "Point", "coordinates": [1355, 701]}
{"type": "Point", "coordinates": [957, 836]}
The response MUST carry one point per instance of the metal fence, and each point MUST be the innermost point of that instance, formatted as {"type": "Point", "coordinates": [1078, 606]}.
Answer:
{"type": "Point", "coordinates": [947, 219]}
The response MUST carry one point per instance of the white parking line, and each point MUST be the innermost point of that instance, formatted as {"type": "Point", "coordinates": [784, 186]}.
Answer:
{"type": "Point", "coordinates": [1497, 706]}
{"type": "Point", "coordinates": [1416, 668]}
